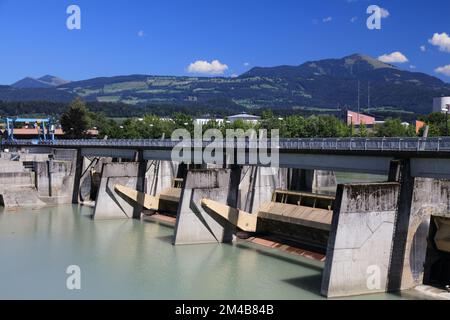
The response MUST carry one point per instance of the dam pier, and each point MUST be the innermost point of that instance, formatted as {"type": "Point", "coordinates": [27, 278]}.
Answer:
{"type": "Point", "coordinates": [396, 229]}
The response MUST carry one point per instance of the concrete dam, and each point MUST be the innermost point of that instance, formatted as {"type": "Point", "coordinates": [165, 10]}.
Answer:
{"type": "Point", "coordinates": [398, 229]}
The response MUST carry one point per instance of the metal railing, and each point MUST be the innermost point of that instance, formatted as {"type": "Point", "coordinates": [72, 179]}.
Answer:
{"type": "Point", "coordinates": [354, 144]}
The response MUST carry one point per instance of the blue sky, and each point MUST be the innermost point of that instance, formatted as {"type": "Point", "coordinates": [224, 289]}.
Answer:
{"type": "Point", "coordinates": [163, 37]}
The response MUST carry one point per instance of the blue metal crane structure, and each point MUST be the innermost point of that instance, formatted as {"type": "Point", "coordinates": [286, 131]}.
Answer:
{"type": "Point", "coordinates": [46, 128]}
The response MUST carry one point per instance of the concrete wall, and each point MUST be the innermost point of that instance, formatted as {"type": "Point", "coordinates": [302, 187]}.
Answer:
{"type": "Point", "coordinates": [17, 189]}
{"type": "Point", "coordinates": [160, 175]}
{"type": "Point", "coordinates": [8, 166]}
{"type": "Point", "coordinates": [195, 225]}
{"type": "Point", "coordinates": [429, 197]}
{"type": "Point", "coordinates": [419, 199]}
{"type": "Point", "coordinates": [111, 205]}
{"type": "Point", "coordinates": [90, 178]}
{"type": "Point", "coordinates": [311, 180]}
{"type": "Point", "coordinates": [55, 181]}
{"type": "Point", "coordinates": [18, 197]}
{"type": "Point", "coordinates": [258, 184]}
{"type": "Point", "coordinates": [359, 247]}
{"type": "Point", "coordinates": [51, 183]}
{"type": "Point", "coordinates": [8, 179]}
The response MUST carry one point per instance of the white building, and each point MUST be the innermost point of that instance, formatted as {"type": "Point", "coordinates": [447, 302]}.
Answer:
{"type": "Point", "coordinates": [441, 104]}
{"type": "Point", "coordinates": [244, 117]}
{"type": "Point", "coordinates": [204, 121]}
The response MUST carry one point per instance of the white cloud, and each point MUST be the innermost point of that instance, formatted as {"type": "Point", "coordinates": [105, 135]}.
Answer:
{"type": "Point", "coordinates": [353, 19]}
{"type": "Point", "coordinates": [423, 48]}
{"type": "Point", "coordinates": [445, 70]}
{"type": "Point", "coordinates": [441, 40]}
{"type": "Point", "coordinates": [246, 64]}
{"type": "Point", "coordinates": [234, 75]}
{"type": "Point", "coordinates": [394, 57]}
{"type": "Point", "coordinates": [205, 67]}
{"type": "Point", "coordinates": [141, 33]}
{"type": "Point", "coordinates": [385, 13]}
{"type": "Point", "coordinates": [327, 19]}
{"type": "Point", "coordinates": [412, 67]}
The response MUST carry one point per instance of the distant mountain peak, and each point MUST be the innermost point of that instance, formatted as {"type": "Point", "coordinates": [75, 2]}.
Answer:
{"type": "Point", "coordinates": [375, 63]}
{"type": "Point", "coordinates": [30, 83]}
{"type": "Point", "coordinates": [55, 81]}
{"type": "Point", "coordinates": [347, 67]}
{"type": "Point", "coordinates": [47, 81]}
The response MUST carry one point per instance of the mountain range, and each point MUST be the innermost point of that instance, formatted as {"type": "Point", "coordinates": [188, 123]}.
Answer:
{"type": "Point", "coordinates": [324, 84]}
{"type": "Point", "coordinates": [47, 81]}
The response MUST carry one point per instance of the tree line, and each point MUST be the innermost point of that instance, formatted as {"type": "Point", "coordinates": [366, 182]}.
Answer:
{"type": "Point", "coordinates": [78, 119]}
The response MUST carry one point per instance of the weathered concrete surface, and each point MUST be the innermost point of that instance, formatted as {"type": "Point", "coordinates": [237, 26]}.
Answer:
{"type": "Point", "coordinates": [8, 166]}
{"type": "Point", "coordinates": [146, 201]}
{"type": "Point", "coordinates": [360, 239]}
{"type": "Point", "coordinates": [420, 198]}
{"type": "Point", "coordinates": [109, 203]}
{"type": "Point", "coordinates": [297, 215]}
{"type": "Point", "coordinates": [8, 179]}
{"type": "Point", "coordinates": [65, 155]}
{"type": "Point", "coordinates": [55, 181]}
{"type": "Point", "coordinates": [90, 176]}
{"type": "Point", "coordinates": [258, 184]}
{"type": "Point", "coordinates": [17, 189]}
{"type": "Point", "coordinates": [195, 225]}
{"type": "Point", "coordinates": [160, 175]}
{"type": "Point", "coordinates": [85, 181]}
{"type": "Point", "coordinates": [311, 180]}
{"type": "Point", "coordinates": [429, 197]}
{"type": "Point", "coordinates": [18, 197]}
{"type": "Point", "coordinates": [243, 220]}
{"type": "Point", "coordinates": [27, 156]}
{"type": "Point", "coordinates": [17, 184]}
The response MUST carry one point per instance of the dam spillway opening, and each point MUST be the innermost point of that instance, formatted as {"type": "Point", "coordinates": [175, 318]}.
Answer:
{"type": "Point", "coordinates": [437, 265]}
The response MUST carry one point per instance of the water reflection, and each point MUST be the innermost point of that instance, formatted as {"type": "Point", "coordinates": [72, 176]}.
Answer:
{"type": "Point", "coordinates": [127, 259]}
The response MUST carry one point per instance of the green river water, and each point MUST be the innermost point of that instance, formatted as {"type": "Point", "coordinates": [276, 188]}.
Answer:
{"type": "Point", "coordinates": [130, 259]}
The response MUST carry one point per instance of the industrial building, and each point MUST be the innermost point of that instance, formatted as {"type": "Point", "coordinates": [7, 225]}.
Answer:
{"type": "Point", "coordinates": [441, 104]}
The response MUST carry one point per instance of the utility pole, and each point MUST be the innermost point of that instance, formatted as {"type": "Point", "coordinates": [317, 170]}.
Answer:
{"type": "Point", "coordinates": [446, 120]}
{"type": "Point", "coordinates": [359, 100]}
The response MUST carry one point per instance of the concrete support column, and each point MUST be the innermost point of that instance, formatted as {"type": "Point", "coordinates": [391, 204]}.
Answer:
{"type": "Point", "coordinates": [400, 171]}
{"type": "Point", "coordinates": [109, 203]}
{"type": "Point", "coordinates": [141, 184]}
{"type": "Point", "coordinates": [195, 225]}
{"type": "Point", "coordinates": [419, 198]}
{"type": "Point", "coordinates": [359, 247]}
{"type": "Point", "coordinates": [78, 166]}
